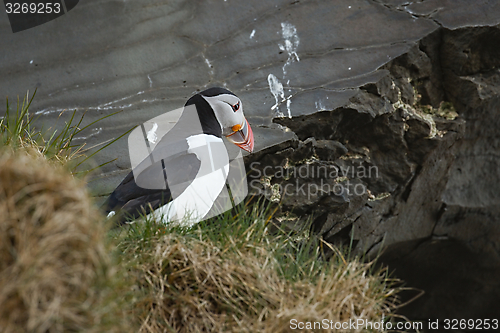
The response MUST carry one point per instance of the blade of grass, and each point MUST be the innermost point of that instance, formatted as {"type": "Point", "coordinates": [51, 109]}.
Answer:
{"type": "Point", "coordinates": [16, 129]}
{"type": "Point", "coordinates": [106, 145]}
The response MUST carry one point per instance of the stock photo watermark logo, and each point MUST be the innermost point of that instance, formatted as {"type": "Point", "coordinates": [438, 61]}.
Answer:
{"type": "Point", "coordinates": [310, 180]}
{"type": "Point", "coordinates": [25, 15]}
{"type": "Point", "coordinates": [203, 173]}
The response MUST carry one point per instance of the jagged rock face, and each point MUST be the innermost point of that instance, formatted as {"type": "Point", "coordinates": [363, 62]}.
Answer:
{"type": "Point", "coordinates": [472, 82]}
{"type": "Point", "coordinates": [377, 119]}
{"type": "Point", "coordinates": [382, 141]}
{"type": "Point", "coordinates": [433, 203]}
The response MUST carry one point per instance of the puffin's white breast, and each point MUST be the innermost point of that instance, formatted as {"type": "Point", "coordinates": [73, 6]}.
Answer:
{"type": "Point", "coordinates": [190, 206]}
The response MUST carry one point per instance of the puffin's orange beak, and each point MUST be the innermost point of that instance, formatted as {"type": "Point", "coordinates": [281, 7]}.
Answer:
{"type": "Point", "coordinates": [242, 136]}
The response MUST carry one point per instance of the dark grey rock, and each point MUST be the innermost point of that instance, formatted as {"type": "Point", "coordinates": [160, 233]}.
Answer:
{"type": "Point", "coordinates": [329, 150]}
{"type": "Point", "coordinates": [467, 288]}
{"type": "Point", "coordinates": [437, 173]}
{"type": "Point", "coordinates": [471, 196]}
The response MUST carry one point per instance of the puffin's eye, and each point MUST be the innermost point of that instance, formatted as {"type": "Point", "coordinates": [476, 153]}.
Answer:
{"type": "Point", "coordinates": [236, 106]}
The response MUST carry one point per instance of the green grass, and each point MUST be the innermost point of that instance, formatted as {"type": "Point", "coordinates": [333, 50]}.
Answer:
{"type": "Point", "coordinates": [246, 226]}
{"type": "Point", "coordinates": [18, 131]}
{"type": "Point", "coordinates": [243, 271]}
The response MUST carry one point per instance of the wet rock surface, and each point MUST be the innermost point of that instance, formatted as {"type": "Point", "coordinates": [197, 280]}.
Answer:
{"type": "Point", "coordinates": [375, 119]}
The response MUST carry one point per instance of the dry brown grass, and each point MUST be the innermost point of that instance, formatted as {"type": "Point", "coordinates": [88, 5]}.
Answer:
{"type": "Point", "coordinates": [56, 273]}
{"type": "Point", "coordinates": [191, 285]}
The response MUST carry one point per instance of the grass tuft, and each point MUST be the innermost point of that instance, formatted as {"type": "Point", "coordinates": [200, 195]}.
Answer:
{"type": "Point", "coordinates": [240, 273]}
{"type": "Point", "coordinates": [57, 273]}
{"type": "Point", "coordinates": [18, 131]}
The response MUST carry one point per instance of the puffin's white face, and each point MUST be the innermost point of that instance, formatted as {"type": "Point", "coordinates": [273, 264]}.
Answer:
{"type": "Point", "coordinates": [229, 112]}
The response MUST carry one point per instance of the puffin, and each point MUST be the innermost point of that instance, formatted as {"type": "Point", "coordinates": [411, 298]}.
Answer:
{"type": "Point", "coordinates": [185, 172]}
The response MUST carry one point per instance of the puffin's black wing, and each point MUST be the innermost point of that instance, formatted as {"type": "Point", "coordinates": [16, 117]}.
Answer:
{"type": "Point", "coordinates": [131, 201]}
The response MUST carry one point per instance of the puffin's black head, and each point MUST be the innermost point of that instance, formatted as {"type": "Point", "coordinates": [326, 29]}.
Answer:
{"type": "Point", "coordinates": [221, 113]}
{"type": "Point", "coordinates": [216, 91]}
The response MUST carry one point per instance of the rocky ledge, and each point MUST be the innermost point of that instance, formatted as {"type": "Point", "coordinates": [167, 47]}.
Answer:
{"type": "Point", "coordinates": [408, 167]}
